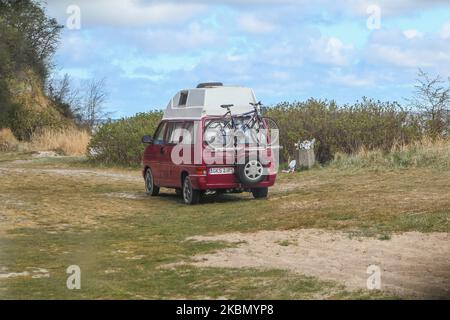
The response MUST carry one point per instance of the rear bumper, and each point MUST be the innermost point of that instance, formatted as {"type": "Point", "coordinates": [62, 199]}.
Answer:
{"type": "Point", "coordinates": [226, 181]}
{"type": "Point", "coordinates": [209, 182]}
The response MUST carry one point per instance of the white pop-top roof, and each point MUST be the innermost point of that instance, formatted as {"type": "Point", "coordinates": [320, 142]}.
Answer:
{"type": "Point", "coordinates": [202, 102]}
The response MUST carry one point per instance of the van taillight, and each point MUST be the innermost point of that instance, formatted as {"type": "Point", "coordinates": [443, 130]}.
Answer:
{"type": "Point", "coordinates": [200, 171]}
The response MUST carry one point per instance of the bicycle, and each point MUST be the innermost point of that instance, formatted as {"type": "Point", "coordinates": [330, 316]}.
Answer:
{"type": "Point", "coordinates": [260, 128]}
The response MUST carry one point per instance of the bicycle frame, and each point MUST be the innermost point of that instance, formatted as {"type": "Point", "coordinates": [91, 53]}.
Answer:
{"type": "Point", "coordinates": [229, 122]}
{"type": "Point", "coordinates": [256, 117]}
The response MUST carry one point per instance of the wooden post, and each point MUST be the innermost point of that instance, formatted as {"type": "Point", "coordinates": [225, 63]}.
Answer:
{"type": "Point", "coordinates": [305, 158]}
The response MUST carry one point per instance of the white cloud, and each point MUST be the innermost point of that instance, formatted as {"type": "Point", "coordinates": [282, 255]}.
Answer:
{"type": "Point", "coordinates": [445, 32]}
{"type": "Point", "coordinates": [331, 51]}
{"type": "Point", "coordinates": [387, 7]}
{"type": "Point", "coordinates": [193, 36]}
{"type": "Point", "coordinates": [147, 12]}
{"type": "Point", "coordinates": [125, 12]}
{"type": "Point", "coordinates": [349, 79]}
{"type": "Point", "coordinates": [236, 57]}
{"type": "Point", "coordinates": [283, 54]}
{"type": "Point", "coordinates": [397, 56]}
{"type": "Point", "coordinates": [252, 24]}
{"type": "Point", "coordinates": [352, 7]}
{"type": "Point", "coordinates": [281, 75]}
{"type": "Point", "coordinates": [413, 33]}
{"type": "Point", "coordinates": [393, 48]}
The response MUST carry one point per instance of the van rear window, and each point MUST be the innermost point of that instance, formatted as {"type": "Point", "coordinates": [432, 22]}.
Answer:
{"type": "Point", "coordinates": [183, 98]}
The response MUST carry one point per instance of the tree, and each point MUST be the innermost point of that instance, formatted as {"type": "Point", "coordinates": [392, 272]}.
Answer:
{"type": "Point", "coordinates": [432, 99]}
{"type": "Point", "coordinates": [87, 108]}
{"type": "Point", "coordinates": [32, 36]}
{"type": "Point", "coordinates": [93, 109]}
{"type": "Point", "coordinates": [65, 96]}
{"type": "Point", "coordinates": [28, 40]}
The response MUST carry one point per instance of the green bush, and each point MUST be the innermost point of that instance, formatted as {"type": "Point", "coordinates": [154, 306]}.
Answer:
{"type": "Point", "coordinates": [366, 124]}
{"type": "Point", "coordinates": [24, 121]}
{"type": "Point", "coordinates": [119, 142]}
{"type": "Point", "coordinates": [426, 153]}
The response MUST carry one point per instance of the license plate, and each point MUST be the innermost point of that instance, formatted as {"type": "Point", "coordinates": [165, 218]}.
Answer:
{"type": "Point", "coordinates": [221, 170]}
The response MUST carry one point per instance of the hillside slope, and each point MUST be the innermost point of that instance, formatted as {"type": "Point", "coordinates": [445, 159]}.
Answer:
{"type": "Point", "coordinates": [28, 41]}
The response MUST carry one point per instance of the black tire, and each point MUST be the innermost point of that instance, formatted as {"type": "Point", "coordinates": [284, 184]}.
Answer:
{"type": "Point", "coordinates": [260, 193]}
{"type": "Point", "coordinates": [252, 172]}
{"type": "Point", "coordinates": [190, 195]}
{"type": "Point", "coordinates": [150, 187]}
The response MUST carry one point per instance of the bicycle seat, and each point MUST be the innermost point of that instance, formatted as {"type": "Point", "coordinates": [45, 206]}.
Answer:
{"type": "Point", "coordinates": [256, 104]}
{"type": "Point", "coordinates": [226, 106]}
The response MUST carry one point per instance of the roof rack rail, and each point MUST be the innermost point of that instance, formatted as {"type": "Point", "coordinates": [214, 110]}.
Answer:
{"type": "Point", "coordinates": [209, 85]}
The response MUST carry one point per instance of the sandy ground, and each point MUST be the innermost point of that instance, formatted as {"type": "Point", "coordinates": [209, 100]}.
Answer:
{"type": "Point", "coordinates": [412, 264]}
{"type": "Point", "coordinates": [136, 177]}
{"type": "Point", "coordinates": [35, 273]}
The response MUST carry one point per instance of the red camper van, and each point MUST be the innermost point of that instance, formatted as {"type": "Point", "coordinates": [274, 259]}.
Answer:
{"type": "Point", "coordinates": [212, 139]}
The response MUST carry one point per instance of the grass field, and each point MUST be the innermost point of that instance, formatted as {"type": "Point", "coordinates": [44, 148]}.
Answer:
{"type": "Point", "coordinates": [56, 212]}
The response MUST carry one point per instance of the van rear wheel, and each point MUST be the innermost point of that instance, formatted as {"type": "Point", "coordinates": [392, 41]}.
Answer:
{"type": "Point", "coordinates": [150, 186]}
{"type": "Point", "coordinates": [260, 193]}
{"type": "Point", "coordinates": [190, 196]}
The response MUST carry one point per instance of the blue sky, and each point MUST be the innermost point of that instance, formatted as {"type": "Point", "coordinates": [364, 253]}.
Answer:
{"type": "Point", "coordinates": [286, 50]}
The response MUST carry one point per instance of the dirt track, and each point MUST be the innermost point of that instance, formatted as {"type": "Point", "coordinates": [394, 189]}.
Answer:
{"type": "Point", "coordinates": [412, 264]}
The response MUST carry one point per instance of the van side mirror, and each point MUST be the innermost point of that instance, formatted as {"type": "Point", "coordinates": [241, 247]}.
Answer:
{"type": "Point", "coordinates": [147, 139]}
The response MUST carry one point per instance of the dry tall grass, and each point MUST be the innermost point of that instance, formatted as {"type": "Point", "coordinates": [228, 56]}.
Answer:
{"type": "Point", "coordinates": [8, 141]}
{"type": "Point", "coordinates": [69, 141]}
{"type": "Point", "coordinates": [424, 153]}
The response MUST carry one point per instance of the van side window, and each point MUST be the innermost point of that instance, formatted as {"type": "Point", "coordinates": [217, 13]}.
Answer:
{"type": "Point", "coordinates": [188, 137]}
{"type": "Point", "coordinates": [178, 130]}
{"type": "Point", "coordinates": [159, 135]}
{"type": "Point", "coordinates": [183, 98]}
{"type": "Point", "coordinates": [174, 132]}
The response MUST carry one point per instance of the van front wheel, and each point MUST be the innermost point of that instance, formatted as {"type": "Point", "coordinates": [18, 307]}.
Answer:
{"type": "Point", "coordinates": [150, 186]}
{"type": "Point", "coordinates": [260, 193]}
{"type": "Point", "coordinates": [190, 196]}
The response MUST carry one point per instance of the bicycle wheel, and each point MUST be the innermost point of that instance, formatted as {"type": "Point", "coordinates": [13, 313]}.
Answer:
{"type": "Point", "coordinates": [256, 132]}
{"type": "Point", "coordinates": [272, 129]}
{"type": "Point", "coordinates": [218, 133]}
{"type": "Point", "coordinates": [264, 131]}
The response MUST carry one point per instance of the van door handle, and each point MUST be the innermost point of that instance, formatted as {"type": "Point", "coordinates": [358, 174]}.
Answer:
{"type": "Point", "coordinates": [161, 151]}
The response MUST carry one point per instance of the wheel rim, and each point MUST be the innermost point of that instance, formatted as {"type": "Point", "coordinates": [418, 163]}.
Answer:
{"type": "Point", "coordinates": [149, 181]}
{"type": "Point", "coordinates": [253, 170]}
{"type": "Point", "coordinates": [187, 191]}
